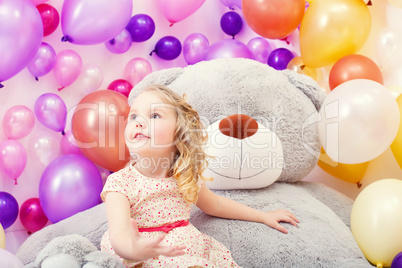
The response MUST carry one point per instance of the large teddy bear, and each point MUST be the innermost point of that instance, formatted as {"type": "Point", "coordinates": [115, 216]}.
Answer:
{"type": "Point", "coordinates": [262, 134]}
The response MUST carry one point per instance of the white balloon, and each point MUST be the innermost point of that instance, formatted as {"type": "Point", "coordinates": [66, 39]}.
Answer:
{"type": "Point", "coordinates": [359, 120]}
{"type": "Point", "coordinates": [45, 147]}
{"type": "Point", "coordinates": [90, 79]}
{"type": "Point", "coordinates": [388, 52]}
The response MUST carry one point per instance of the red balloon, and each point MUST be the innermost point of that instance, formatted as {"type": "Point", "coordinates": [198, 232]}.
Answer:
{"type": "Point", "coordinates": [98, 126]}
{"type": "Point", "coordinates": [273, 19]}
{"type": "Point", "coordinates": [354, 67]}
{"type": "Point", "coordinates": [50, 18]}
{"type": "Point", "coordinates": [122, 86]}
{"type": "Point", "coordinates": [32, 216]}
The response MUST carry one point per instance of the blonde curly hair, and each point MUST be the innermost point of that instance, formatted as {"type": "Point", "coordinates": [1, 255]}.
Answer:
{"type": "Point", "coordinates": [190, 138]}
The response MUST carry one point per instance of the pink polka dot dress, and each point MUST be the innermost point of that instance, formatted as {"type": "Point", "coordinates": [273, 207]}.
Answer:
{"type": "Point", "coordinates": [157, 202]}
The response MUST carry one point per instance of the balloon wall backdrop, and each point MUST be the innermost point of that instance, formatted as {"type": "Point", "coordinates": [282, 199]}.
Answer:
{"type": "Point", "coordinates": [68, 66]}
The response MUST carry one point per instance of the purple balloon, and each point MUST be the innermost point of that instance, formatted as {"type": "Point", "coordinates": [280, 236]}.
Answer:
{"type": "Point", "coordinates": [229, 48]}
{"type": "Point", "coordinates": [43, 62]}
{"type": "Point", "coordinates": [168, 48]}
{"type": "Point", "coordinates": [51, 111]}
{"type": "Point", "coordinates": [21, 32]}
{"type": "Point", "coordinates": [279, 58]}
{"type": "Point", "coordinates": [9, 209]}
{"type": "Point", "coordinates": [122, 86]}
{"type": "Point", "coordinates": [121, 43]}
{"type": "Point", "coordinates": [70, 184]}
{"type": "Point", "coordinates": [195, 48]}
{"type": "Point", "coordinates": [13, 158]}
{"type": "Point", "coordinates": [94, 21]}
{"type": "Point", "coordinates": [260, 48]}
{"type": "Point", "coordinates": [141, 27]}
{"type": "Point", "coordinates": [231, 23]}
{"type": "Point", "coordinates": [397, 261]}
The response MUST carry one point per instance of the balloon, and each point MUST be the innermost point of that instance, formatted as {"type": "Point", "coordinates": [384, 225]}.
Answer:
{"type": "Point", "coordinates": [352, 173]}
{"type": "Point", "coordinates": [388, 53]}
{"type": "Point", "coordinates": [376, 220]}
{"type": "Point", "coordinates": [296, 64]}
{"type": "Point", "coordinates": [32, 216]}
{"type": "Point", "coordinates": [18, 122]}
{"type": "Point", "coordinates": [43, 62]}
{"type": "Point", "coordinates": [90, 79]}
{"type": "Point", "coordinates": [68, 144]}
{"type": "Point", "coordinates": [273, 19]}
{"type": "Point", "coordinates": [230, 3]}
{"type": "Point", "coordinates": [228, 48]}
{"type": "Point", "coordinates": [51, 111]}
{"type": "Point", "coordinates": [37, 2]}
{"type": "Point", "coordinates": [44, 147]}
{"type": "Point", "coordinates": [141, 27]}
{"type": "Point", "coordinates": [168, 48]}
{"type": "Point", "coordinates": [13, 159]}
{"type": "Point", "coordinates": [50, 18]}
{"type": "Point", "coordinates": [354, 67]}
{"type": "Point", "coordinates": [396, 3]}
{"type": "Point", "coordinates": [359, 119]}
{"type": "Point", "coordinates": [2, 238]}
{"type": "Point", "coordinates": [122, 86]}
{"type": "Point", "coordinates": [21, 33]}
{"type": "Point", "coordinates": [121, 43]}
{"type": "Point", "coordinates": [9, 209]}
{"type": "Point", "coordinates": [177, 10]}
{"type": "Point", "coordinates": [98, 126]}
{"type": "Point", "coordinates": [195, 48]}
{"type": "Point", "coordinates": [9, 260]}
{"type": "Point", "coordinates": [396, 146]}
{"type": "Point", "coordinates": [67, 68]}
{"type": "Point", "coordinates": [70, 184]}
{"type": "Point", "coordinates": [279, 58]}
{"type": "Point", "coordinates": [332, 29]}
{"type": "Point", "coordinates": [397, 261]}
{"type": "Point", "coordinates": [231, 23]}
{"type": "Point", "coordinates": [260, 49]}
{"type": "Point", "coordinates": [88, 22]}
{"type": "Point", "coordinates": [136, 69]}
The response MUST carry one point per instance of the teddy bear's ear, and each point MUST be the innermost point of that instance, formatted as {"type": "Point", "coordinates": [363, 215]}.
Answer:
{"type": "Point", "coordinates": [308, 86]}
{"type": "Point", "coordinates": [163, 77]}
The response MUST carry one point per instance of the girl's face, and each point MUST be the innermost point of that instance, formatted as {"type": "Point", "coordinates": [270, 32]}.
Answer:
{"type": "Point", "coordinates": [151, 127]}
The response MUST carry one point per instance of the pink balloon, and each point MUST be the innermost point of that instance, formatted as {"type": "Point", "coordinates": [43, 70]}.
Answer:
{"type": "Point", "coordinates": [43, 62]}
{"type": "Point", "coordinates": [136, 69]}
{"type": "Point", "coordinates": [260, 48]}
{"type": "Point", "coordinates": [13, 158]}
{"type": "Point", "coordinates": [32, 216]}
{"type": "Point", "coordinates": [121, 43]}
{"type": "Point", "coordinates": [68, 144]}
{"type": "Point", "coordinates": [177, 10]}
{"type": "Point", "coordinates": [18, 122]}
{"type": "Point", "coordinates": [67, 68]}
{"type": "Point", "coordinates": [195, 48]}
{"type": "Point", "coordinates": [21, 33]}
{"type": "Point", "coordinates": [229, 48]}
{"type": "Point", "coordinates": [88, 22]}
{"type": "Point", "coordinates": [50, 18]}
{"type": "Point", "coordinates": [38, 2]}
{"type": "Point", "coordinates": [90, 79]}
{"type": "Point", "coordinates": [122, 86]}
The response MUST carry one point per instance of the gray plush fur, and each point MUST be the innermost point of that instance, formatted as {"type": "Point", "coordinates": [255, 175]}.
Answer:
{"type": "Point", "coordinates": [287, 103]}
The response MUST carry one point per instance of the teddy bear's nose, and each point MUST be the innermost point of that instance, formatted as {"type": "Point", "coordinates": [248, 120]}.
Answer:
{"type": "Point", "coordinates": [238, 126]}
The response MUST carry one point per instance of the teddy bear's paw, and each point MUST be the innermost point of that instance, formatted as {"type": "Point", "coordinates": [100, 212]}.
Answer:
{"type": "Point", "coordinates": [74, 245]}
{"type": "Point", "coordinates": [60, 261]}
{"type": "Point", "coordinates": [100, 259]}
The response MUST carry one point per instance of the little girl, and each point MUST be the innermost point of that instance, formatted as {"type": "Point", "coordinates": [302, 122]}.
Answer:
{"type": "Point", "coordinates": [148, 202]}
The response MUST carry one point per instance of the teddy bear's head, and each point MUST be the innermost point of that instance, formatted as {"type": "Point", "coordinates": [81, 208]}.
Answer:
{"type": "Point", "coordinates": [261, 122]}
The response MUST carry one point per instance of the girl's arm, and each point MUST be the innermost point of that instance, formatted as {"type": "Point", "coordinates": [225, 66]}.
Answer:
{"type": "Point", "coordinates": [124, 235]}
{"type": "Point", "coordinates": [223, 207]}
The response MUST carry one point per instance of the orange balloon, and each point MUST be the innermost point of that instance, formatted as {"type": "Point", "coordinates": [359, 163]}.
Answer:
{"type": "Point", "coordinates": [352, 173]}
{"type": "Point", "coordinates": [273, 19]}
{"type": "Point", "coordinates": [354, 67]}
{"type": "Point", "coordinates": [98, 127]}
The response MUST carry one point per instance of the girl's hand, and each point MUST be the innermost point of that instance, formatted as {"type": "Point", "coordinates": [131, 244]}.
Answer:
{"type": "Point", "coordinates": [272, 219]}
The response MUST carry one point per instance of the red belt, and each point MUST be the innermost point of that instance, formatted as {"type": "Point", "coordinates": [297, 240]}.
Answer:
{"type": "Point", "coordinates": [165, 228]}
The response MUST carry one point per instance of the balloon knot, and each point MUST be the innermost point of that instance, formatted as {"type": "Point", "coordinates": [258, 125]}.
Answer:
{"type": "Point", "coordinates": [171, 24]}
{"type": "Point", "coordinates": [15, 182]}
{"type": "Point", "coordinates": [60, 88]}
{"type": "Point", "coordinates": [359, 185]}
{"type": "Point", "coordinates": [302, 67]}
{"type": "Point", "coordinates": [65, 39]}
{"type": "Point", "coordinates": [233, 37]}
{"type": "Point", "coordinates": [112, 41]}
{"type": "Point", "coordinates": [1, 85]}
{"type": "Point", "coordinates": [63, 133]}
{"type": "Point", "coordinates": [231, 8]}
{"type": "Point", "coordinates": [369, 3]}
{"type": "Point", "coordinates": [36, 78]}
{"type": "Point", "coordinates": [150, 54]}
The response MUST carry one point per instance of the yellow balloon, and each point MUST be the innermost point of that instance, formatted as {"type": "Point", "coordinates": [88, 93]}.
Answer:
{"type": "Point", "coordinates": [376, 221]}
{"type": "Point", "coordinates": [352, 173]}
{"type": "Point", "coordinates": [396, 146]}
{"type": "Point", "coordinates": [332, 29]}
{"type": "Point", "coordinates": [296, 64]}
{"type": "Point", "coordinates": [2, 238]}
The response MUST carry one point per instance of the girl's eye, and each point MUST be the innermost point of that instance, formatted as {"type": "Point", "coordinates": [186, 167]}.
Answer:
{"type": "Point", "coordinates": [155, 116]}
{"type": "Point", "coordinates": [133, 117]}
